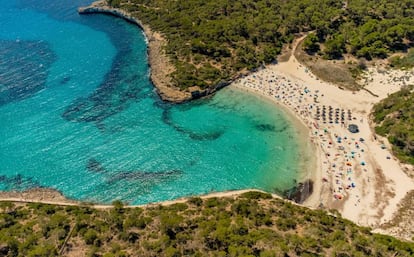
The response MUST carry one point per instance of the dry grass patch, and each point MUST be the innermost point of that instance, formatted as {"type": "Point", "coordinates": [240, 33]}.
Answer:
{"type": "Point", "coordinates": [338, 72]}
{"type": "Point", "coordinates": [402, 224]}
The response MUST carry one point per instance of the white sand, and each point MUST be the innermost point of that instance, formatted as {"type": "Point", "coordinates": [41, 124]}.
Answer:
{"type": "Point", "coordinates": [359, 178]}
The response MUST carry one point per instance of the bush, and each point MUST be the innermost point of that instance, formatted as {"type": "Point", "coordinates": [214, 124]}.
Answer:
{"type": "Point", "coordinates": [114, 3]}
{"type": "Point", "coordinates": [90, 236]}
{"type": "Point", "coordinates": [197, 201]}
{"type": "Point", "coordinates": [394, 117]}
{"type": "Point", "coordinates": [256, 195]}
{"type": "Point", "coordinates": [311, 44]}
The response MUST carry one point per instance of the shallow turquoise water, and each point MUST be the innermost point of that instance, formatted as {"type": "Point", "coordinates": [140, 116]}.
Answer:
{"type": "Point", "coordinates": [79, 114]}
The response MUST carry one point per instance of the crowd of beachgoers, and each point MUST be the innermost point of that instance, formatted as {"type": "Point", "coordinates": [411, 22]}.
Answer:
{"type": "Point", "coordinates": [344, 153]}
{"type": "Point", "coordinates": [355, 172]}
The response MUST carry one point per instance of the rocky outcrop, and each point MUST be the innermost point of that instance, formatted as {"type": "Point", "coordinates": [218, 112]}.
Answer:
{"type": "Point", "coordinates": [300, 192]}
{"type": "Point", "coordinates": [197, 92]}
{"type": "Point", "coordinates": [45, 195]}
{"type": "Point", "coordinates": [161, 67]}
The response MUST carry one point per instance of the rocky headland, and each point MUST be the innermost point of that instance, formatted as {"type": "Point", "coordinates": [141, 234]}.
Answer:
{"type": "Point", "coordinates": [160, 64]}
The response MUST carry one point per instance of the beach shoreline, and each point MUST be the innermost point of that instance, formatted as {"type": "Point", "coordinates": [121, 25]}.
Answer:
{"type": "Point", "coordinates": [359, 178]}
{"type": "Point", "coordinates": [302, 134]}
{"type": "Point", "coordinates": [355, 174]}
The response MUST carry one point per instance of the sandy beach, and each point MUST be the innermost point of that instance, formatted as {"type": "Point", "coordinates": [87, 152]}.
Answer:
{"type": "Point", "coordinates": [355, 172]}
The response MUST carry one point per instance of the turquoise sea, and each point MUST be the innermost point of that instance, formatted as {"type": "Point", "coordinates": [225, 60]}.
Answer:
{"type": "Point", "coordinates": [78, 114]}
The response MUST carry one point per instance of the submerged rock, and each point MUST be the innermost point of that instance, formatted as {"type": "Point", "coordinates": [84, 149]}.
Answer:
{"type": "Point", "coordinates": [206, 136]}
{"type": "Point", "coordinates": [18, 182]}
{"type": "Point", "coordinates": [65, 80]}
{"type": "Point", "coordinates": [265, 127]}
{"type": "Point", "coordinates": [94, 165]}
{"type": "Point", "coordinates": [166, 118]}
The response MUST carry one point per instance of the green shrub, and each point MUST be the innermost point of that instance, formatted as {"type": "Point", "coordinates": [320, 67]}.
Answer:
{"type": "Point", "coordinates": [197, 201]}
{"type": "Point", "coordinates": [90, 236]}
{"type": "Point", "coordinates": [256, 195]}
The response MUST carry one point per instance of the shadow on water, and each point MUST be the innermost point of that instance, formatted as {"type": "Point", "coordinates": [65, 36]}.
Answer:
{"type": "Point", "coordinates": [24, 69]}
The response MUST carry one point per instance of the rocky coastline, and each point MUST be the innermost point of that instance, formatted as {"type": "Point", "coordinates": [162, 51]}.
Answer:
{"type": "Point", "coordinates": [160, 64]}
{"type": "Point", "coordinates": [35, 195]}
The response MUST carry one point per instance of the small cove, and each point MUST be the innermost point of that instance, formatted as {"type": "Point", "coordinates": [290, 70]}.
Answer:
{"type": "Point", "coordinates": [93, 128]}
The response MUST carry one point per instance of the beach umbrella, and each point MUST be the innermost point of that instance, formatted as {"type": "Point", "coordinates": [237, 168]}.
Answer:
{"type": "Point", "coordinates": [353, 128]}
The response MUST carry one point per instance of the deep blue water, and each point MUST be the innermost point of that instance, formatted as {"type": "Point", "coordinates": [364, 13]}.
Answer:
{"type": "Point", "coordinates": [79, 114]}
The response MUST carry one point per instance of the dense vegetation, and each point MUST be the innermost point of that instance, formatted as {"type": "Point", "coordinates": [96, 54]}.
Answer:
{"type": "Point", "coordinates": [404, 62]}
{"type": "Point", "coordinates": [395, 118]}
{"type": "Point", "coordinates": [215, 40]}
{"type": "Point", "coordinates": [367, 29]}
{"type": "Point", "coordinates": [252, 224]}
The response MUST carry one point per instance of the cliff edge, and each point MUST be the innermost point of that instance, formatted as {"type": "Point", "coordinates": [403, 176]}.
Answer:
{"type": "Point", "coordinates": [160, 64]}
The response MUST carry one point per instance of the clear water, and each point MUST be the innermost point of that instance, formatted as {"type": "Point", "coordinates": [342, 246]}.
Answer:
{"type": "Point", "coordinates": [79, 114]}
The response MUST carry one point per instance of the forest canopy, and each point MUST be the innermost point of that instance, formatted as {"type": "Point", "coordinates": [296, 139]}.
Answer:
{"type": "Point", "coordinates": [210, 41]}
{"type": "Point", "coordinates": [252, 224]}
{"type": "Point", "coordinates": [395, 118]}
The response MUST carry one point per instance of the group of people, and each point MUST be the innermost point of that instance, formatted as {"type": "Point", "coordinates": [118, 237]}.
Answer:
{"type": "Point", "coordinates": [343, 155]}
